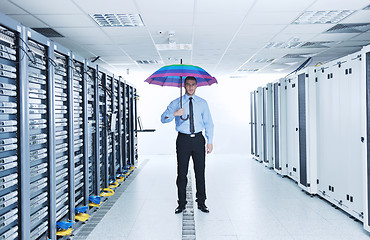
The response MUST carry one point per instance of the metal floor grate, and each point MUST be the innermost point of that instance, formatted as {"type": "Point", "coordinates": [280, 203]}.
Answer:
{"type": "Point", "coordinates": [188, 222]}
{"type": "Point", "coordinates": [84, 231]}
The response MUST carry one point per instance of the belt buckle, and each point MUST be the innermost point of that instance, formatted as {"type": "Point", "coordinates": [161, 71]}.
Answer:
{"type": "Point", "coordinates": [192, 135]}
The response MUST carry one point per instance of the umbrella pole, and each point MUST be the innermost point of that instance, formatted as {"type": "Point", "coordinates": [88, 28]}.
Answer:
{"type": "Point", "coordinates": [181, 91]}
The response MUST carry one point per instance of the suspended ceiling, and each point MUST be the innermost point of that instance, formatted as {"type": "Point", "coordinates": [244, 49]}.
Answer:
{"type": "Point", "coordinates": [229, 38]}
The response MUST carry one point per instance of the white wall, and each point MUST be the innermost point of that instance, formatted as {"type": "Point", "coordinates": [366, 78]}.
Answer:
{"type": "Point", "coordinates": [229, 102]}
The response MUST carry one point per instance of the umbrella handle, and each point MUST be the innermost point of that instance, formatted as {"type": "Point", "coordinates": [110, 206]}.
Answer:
{"type": "Point", "coordinates": [187, 117]}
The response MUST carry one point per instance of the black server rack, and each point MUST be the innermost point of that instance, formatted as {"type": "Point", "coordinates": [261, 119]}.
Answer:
{"type": "Point", "coordinates": [9, 131]}
{"type": "Point", "coordinates": [92, 126]}
{"type": "Point", "coordinates": [103, 155]}
{"type": "Point", "coordinates": [108, 130]}
{"type": "Point", "coordinates": [41, 133]}
{"type": "Point", "coordinates": [63, 137]}
{"type": "Point", "coordinates": [78, 168]}
{"type": "Point", "coordinates": [114, 129]}
{"type": "Point", "coordinates": [67, 130]}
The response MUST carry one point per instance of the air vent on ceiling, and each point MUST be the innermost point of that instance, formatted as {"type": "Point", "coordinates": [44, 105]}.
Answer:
{"type": "Point", "coordinates": [262, 60]}
{"type": "Point", "coordinates": [282, 45]}
{"type": "Point", "coordinates": [48, 32]}
{"type": "Point", "coordinates": [118, 20]}
{"type": "Point", "coordinates": [147, 61]}
{"type": "Point", "coordinates": [321, 17]}
{"type": "Point", "coordinates": [350, 28]}
{"type": "Point", "coordinates": [248, 70]}
{"type": "Point", "coordinates": [294, 56]}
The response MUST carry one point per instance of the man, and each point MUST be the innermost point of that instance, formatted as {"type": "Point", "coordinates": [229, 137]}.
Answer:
{"type": "Point", "coordinates": [190, 141]}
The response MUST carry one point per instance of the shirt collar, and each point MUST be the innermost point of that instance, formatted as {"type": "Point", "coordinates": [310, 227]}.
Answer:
{"type": "Point", "coordinates": [186, 97]}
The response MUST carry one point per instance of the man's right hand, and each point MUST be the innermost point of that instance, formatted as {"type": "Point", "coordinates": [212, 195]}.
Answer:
{"type": "Point", "coordinates": [179, 112]}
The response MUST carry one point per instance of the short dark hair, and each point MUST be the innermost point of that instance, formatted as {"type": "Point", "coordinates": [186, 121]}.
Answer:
{"type": "Point", "coordinates": [190, 78]}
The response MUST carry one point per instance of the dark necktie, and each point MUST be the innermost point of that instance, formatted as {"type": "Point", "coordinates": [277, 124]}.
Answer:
{"type": "Point", "coordinates": [191, 115]}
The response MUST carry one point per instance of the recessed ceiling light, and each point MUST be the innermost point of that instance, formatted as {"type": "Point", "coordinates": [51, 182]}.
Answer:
{"type": "Point", "coordinates": [317, 17]}
{"type": "Point", "coordinates": [176, 46]}
{"type": "Point", "coordinates": [148, 62]}
{"type": "Point", "coordinates": [118, 20]}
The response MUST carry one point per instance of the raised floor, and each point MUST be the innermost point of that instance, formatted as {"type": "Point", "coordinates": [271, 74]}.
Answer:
{"type": "Point", "coordinates": [246, 201]}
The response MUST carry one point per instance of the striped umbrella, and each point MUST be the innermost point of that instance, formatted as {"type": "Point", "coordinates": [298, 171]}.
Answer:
{"type": "Point", "coordinates": [174, 76]}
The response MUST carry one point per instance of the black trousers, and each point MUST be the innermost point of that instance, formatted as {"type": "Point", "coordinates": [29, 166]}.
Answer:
{"type": "Point", "coordinates": [187, 146]}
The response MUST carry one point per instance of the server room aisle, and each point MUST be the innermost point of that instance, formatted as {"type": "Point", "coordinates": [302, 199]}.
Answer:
{"type": "Point", "coordinates": [246, 201]}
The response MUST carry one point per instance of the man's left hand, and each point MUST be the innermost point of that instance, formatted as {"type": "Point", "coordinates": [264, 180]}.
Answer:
{"type": "Point", "coordinates": [209, 148]}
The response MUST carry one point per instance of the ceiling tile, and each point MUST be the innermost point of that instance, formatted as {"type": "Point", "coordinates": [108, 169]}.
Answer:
{"type": "Point", "coordinates": [334, 36]}
{"type": "Point", "coordinates": [56, 20]}
{"type": "Point", "coordinates": [211, 6]}
{"type": "Point", "coordinates": [165, 6]}
{"type": "Point", "coordinates": [272, 18]}
{"type": "Point", "coordinates": [358, 17]}
{"type": "Point", "coordinates": [29, 21]}
{"type": "Point", "coordinates": [214, 19]}
{"type": "Point", "coordinates": [254, 29]}
{"type": "Point", "coordinates": [168, 19]}
{"type": "Point", "coordinates": [306, 28]}
{"type": "Point", "coordinates": [323, 5]}
{"type": "Point", "coordinates": [287, 5]}
{"type": "Point", "coordinates": [9, 8]}
{"type": "Point", "coordinates": [45, 6]}
{"type": "Point", "coordinates": [79, 32]}
{"type": "Point", "coordinates": [111, 6]}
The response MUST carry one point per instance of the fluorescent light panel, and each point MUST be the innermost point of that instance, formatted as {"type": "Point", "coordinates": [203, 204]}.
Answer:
{"type": "Point", "coordinates": [118, 20]}
{"type": "Point", "coordinates": [321, 17]}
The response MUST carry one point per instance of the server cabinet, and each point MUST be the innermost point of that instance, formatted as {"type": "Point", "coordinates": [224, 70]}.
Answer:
{"type": "Point", "coordinates": [279, 126]}
{"type": "Point", "coordinates": [41, 137]}
{"type": "Point", "coordinates": [339, 134]}
{"type": "Point", "coordinates": [365, 109]}
{"type": "Point", "coordinates": [259, 121]}
{"type": "Point", "coordinates": [93, 154]}
{"type": "Point", "coordinates": [252, 122]}
{"type": "Point", "coordinates": [134, 131]}
{"type": "Point", "coordinates": [307, 130]}
{"type": "Point", "coordinates": [292, 128]}
{"type": "Point", "coordinates": [10, 115]}
{"type": "Point", "coordinates": [268, 113]}
{"type": "Point", "coordinates": [114, 128]}
{"type": "Point", "coordinates": [108, 129]}
{"type": "Point", "coordinates": [103, 148]}
{"type": "Point", "coordinates": [79, 166]}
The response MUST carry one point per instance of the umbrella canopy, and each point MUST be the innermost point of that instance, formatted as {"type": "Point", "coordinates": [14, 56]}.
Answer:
{"type": "Point", "coordinates": [174, 75]}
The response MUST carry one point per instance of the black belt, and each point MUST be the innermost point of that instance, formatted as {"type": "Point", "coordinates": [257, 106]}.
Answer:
{"type": "Point", "coordinates": [191, 135]}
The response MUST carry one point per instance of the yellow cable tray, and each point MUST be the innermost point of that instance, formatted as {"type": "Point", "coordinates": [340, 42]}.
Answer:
{"type": "Point", "coordinates": [94, 205]}
{"type": "Point", "coordinates": [67, 232]}
{"type": "Point", "coordinates": [82, 217]}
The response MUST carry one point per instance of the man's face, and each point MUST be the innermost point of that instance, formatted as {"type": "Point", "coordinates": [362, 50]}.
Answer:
{"type": "Point", "coordinates": [190, 86]}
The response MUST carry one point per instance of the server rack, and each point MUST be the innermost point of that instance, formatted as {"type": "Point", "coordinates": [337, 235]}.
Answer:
{"type": "Point", "coordinates": [365, 85]}
{"type": "Point", "coordinates": [339, 123]}
{"type": "Point", "coordinates": [252, 122]}
{"type": "Point", "coordinates": [12, 181]}
{"type": "Point", "coordinates": [103, 153]}
{"type": "Point", "coordinates": [79, 167]}
{"type": "Point", "coordinates": [114, 128]}
{"type": "Point", "coordinates": [63, 135]}
{"type": "Point", "coordinates": [55, 113]}
{"type": "Point", "coordinates": [135, 97]}
{"type": "Point", "coordinates": [268, 110]}
{"type": "Point", "coordinates": [92, 104]}
{"type": "Point", "coordinates": [292, 129]}
{"type": "Point", "coordinates": [259, 121]}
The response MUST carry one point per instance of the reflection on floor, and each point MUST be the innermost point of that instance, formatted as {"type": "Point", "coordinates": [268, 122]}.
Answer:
{"type": "Point", "coordinates": [246, 201]}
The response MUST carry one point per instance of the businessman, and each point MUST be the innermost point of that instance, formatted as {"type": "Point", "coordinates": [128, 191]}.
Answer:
{"type": "Point", "coordinates": [190, 141]}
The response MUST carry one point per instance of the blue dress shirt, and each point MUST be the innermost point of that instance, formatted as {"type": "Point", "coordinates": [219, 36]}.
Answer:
{"type": "Point", "coordinates": [202, 116]}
